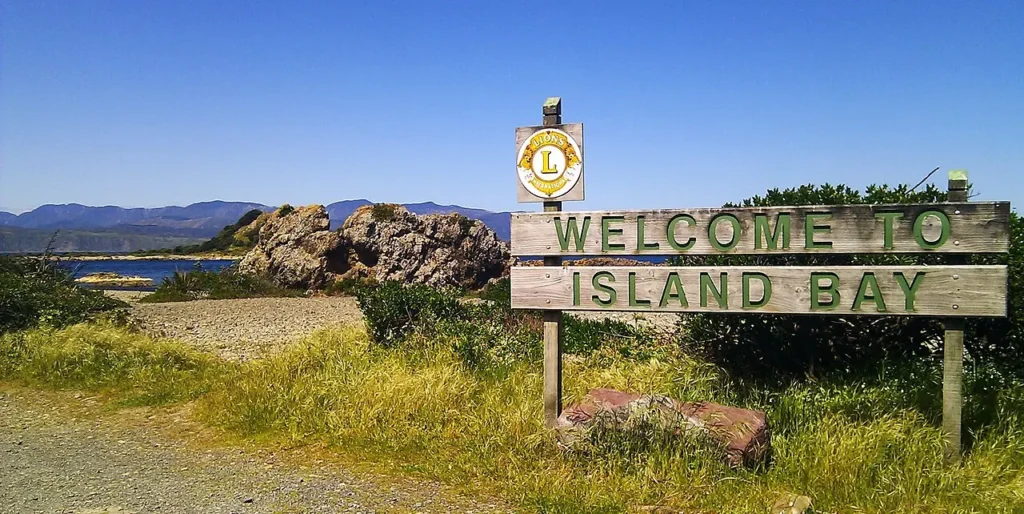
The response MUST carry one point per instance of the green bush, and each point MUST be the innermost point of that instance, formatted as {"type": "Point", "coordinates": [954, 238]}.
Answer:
{"type": "Point", "coordinates": [36, 291]}
{"type": "Point", "coordinates": [383, 211]}
{"type": "Point", "coordinates": [783, 346]}
{"type": "Point", "coordinates": [200, 284]}
{"type": "Point", "coordinates": [392, 310]}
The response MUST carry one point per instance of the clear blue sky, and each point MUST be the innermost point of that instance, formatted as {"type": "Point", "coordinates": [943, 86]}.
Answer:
{"type": "Point", "coordinates": [685, 104]}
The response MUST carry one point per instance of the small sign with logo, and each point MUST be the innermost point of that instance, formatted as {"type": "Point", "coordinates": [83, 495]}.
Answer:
{"type": "Point", "coordinates": [549, 163]}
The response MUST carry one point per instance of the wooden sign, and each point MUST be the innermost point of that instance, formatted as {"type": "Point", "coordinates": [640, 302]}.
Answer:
{"type": "Point", "coordinates": [841, 290]}
{"type": "Point", "coordinates": [981, 227]}
{"type": "Point", "coordinates": [549, 163]}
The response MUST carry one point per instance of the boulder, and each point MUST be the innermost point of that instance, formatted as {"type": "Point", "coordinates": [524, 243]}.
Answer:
{"type": "Point", "coordinates": [742, 433]}
{"type": "Point", "coordinates": [387, 242]}
{"type": "Point", "coordinates": [296, 248]}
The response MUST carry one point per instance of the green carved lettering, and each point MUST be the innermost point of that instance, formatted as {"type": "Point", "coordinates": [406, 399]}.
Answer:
{"type": "Point", "coordinates": [766, 288]}
{"type": "Point", "coordinates": [604, 288]}
{"type": "Point", "coordinates": [713, 232]}
{"type": "Point", "coordinates": [671, 232]}
{"type": "Point", "coordinates": [888, 220]}
{"type": "Point", "coordinates": [641, 244]}
{"type": "Point", "coordinates": [720, 294]}
{"type": "Point", "coordinates": [909, 290]}
{"type": "Point", "coordinates": [577, 235]}
{"type": "Point", "coordinates": [869, 282]}
{"type": "Point", "coordinates": [764, 233]}
{"type": "Point", "coordinates": [673, 291]}
{"type": "Point", "coordinates": [607, 231]}
{"type": "Point", "coordinates": [633, 302]}
{"type": "Point", "coordinates": [832, 290]}
{"type": "Point", "coordinates": [811, 227]}
{"type": "Point", "coordinates": [919, 230]}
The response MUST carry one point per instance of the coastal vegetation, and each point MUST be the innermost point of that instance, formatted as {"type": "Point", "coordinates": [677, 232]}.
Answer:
{"type": "Point", "coordinates": [865, 441]}
{"type": "Point", "coordinates": [199, 284]}
{"type": "Point", "coordinates": [234, 239]}
{"type": "Point", "coordinates": [439, 387]}
{"type": "Point", "coordinates": [37, 291]}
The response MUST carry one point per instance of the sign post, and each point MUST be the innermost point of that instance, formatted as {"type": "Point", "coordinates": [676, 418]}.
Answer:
{"type": "Point", "coordinates": [953, 348]}
{"type": "Point", "coordinates": [549, 166]}
{"type": "Point", "coordinates": [552, 319]}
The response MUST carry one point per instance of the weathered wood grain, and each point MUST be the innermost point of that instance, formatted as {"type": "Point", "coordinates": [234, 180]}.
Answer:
{"type": "Point", "coordinates": [937, 290]}
{"type": "Point", "coordinates": [981, 227]}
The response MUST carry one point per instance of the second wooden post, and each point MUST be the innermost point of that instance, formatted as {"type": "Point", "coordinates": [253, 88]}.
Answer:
{"type": "Point", "coordinates": [953, 348]}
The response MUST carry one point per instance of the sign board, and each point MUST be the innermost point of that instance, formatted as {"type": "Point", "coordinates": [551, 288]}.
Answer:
{"type": "Point", "coordinates": [837, 290]}
{"type": "Point", "coordinates": [549, 163]}
{"type": "Point", "coordinates": [981, 227]}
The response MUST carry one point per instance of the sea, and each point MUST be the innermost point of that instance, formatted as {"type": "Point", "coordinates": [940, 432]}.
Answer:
{"type": "Point", "coordinates": [154, 269]}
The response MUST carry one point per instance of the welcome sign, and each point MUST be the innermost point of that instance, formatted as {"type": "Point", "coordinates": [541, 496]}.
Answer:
{"type": "Point", "coordinates": [954, 228]}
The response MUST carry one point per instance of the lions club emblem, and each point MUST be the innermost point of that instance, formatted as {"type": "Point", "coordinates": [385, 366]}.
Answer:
{"type": "Point", "coordinates": [549, 163]}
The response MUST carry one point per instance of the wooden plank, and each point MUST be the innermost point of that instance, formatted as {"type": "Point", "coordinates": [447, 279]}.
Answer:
{"type": "Point", "coordinates": [862, 290]}
{"type": "Point", "coordinates": [981, 227]}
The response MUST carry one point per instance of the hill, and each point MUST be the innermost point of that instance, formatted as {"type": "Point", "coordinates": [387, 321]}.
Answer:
{"type": "Point", "coordinates": [117, 229]}
{"type": "Point", "coordinates": [24, 240]}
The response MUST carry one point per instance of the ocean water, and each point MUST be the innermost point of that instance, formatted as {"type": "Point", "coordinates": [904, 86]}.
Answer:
{"type": "Point", "coordinates": [156, 270]}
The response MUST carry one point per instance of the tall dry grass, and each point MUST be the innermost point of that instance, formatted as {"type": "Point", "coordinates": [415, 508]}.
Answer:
{"type": "Point", "coordinates": [853, 446]}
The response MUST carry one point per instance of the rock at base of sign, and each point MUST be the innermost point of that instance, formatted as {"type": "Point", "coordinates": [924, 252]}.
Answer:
{"type": "Point", "coordinates": [742, 433]}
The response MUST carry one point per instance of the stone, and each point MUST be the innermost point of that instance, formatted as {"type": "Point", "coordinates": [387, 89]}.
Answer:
{"type": "Point", "coordinates": [382, 242]}
{"type": "Point", "coordinates": [295, 248]}
{"type": "Point", "coordinates": [742, 433]}
{"type": "Point", "coordinates": [387, 242]}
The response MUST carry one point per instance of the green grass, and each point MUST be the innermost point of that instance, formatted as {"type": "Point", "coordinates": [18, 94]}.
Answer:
{"type": "Point", "coordinates": [853, 445]}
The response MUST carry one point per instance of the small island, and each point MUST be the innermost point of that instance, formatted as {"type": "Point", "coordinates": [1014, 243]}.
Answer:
{"type": "Point", "coordinates": [108, 279]}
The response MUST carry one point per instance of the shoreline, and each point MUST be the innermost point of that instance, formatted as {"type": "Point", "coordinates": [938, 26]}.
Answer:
{"type": "Point", "coordinates": [147, 257]}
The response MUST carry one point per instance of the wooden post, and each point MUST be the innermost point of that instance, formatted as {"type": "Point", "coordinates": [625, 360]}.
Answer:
{"type": "Point", "coordinates": [552, 111]}
{"type": "Point", "coordinates": [953, 348]}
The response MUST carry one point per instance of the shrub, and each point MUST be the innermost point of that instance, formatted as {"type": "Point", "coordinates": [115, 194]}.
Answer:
{"type": "Point", "coordinates": [200, 284]}
{"type": "Point", "coordinates": [383, 211]}
{"type": "Point", "coordinates": [782, 346]}
{"type": "Point", "coordinates": [285, 210]}
{"type": "Point", "coordinates": [39, 291]}
{"type": "Point", "coordinates": [392, 309]}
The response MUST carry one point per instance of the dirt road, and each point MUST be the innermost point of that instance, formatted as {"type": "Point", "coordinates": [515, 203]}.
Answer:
{"type": "Point", "coordinates": [62, 453]}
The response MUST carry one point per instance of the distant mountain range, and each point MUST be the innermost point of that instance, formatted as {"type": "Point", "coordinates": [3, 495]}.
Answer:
{"type": "Point", "coordinates": [117, 229]}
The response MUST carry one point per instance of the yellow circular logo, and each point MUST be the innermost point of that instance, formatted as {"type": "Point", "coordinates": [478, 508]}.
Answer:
{"type": "Point", "coordinates": [549, 163]}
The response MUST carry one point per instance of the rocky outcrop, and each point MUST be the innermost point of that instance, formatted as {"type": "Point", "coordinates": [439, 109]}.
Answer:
{"type": "Point", "coordinates": [742, 434]}
{"type": "Point", "coordinates": [387, 242]}
{"type": "Point", "coordinates": [296, 248]}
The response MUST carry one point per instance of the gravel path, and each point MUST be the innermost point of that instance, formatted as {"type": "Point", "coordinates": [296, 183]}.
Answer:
{"type": "Point", "coordinates": [61, 453]}
{"type": "Point", "coordinates": [246, 328]}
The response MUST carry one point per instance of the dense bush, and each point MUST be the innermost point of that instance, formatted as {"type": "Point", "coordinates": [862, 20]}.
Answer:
{"type": "Point", "coordinates": [39, 291]}
{"type": "Point", "coordinates": [781, 346]}
{"type": "Point", "coordinates": [392, 309]}
{"type": "Point", "coordinates": [200, 284]}
{"type": "Point", "coordinates": [486, 332]}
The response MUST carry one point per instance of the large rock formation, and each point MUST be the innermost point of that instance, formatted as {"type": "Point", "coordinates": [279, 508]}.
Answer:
{"type": "Point", "coordinates": [387, 242]}
{"type": "Point", "coordinates": [380, 242]}
{"type": "Point", "coordinates": [296, 248]}
{"type": "Point", "coordinates": [742, 434]}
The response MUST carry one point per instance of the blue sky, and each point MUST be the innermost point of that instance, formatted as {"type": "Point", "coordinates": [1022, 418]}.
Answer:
{"type": "Point", "coordinates": [684, 104]}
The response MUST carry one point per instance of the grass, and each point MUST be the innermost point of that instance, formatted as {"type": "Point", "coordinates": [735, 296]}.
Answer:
{"type": "Point", "coordinates": [852, 445]}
